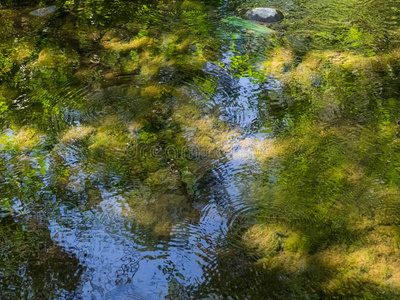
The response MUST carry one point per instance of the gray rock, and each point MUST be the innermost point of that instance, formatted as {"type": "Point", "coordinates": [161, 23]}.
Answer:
{"type": "Point", "coordinates": [44, 11]}
{"type": "Point", "coordinates": [264, 14]}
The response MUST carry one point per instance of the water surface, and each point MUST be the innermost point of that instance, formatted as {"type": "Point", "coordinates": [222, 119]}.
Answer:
{"type": "Point", "coordinates": [155, 150]}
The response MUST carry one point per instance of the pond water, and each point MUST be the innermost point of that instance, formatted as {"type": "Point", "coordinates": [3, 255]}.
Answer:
{"type": "Point", "coordinates": [174, 150]}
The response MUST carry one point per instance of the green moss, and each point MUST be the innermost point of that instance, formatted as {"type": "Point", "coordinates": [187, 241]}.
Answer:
{"type": "Point", "coordinates": [110, 140]}
{"type": "Point", "coordinates": [190, 180]}
{"type": "Point", "coordinates": [56, 58]}
{"type": "Point", "coordinates": [163, 180]}
{"type": "Point", "coordinates": [24, 140]}
{"type": "Point", "coordinates": [298, 243]}
{"type": "Point", "coordinates": [110, 59]}
{"type": "Point", "coordinates": [153, 92]}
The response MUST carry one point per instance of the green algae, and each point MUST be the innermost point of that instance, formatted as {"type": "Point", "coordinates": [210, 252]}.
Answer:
{"type": "Point", "coordinates": [332, 187]}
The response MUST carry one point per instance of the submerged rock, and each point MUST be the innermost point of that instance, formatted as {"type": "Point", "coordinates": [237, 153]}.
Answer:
{"type": "Point", "coordinates": [264, 14]}
{"type": "Point", "coordinates": [44, 11]}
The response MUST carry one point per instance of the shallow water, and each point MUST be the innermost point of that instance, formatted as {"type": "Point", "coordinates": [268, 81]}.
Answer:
{"type": "Point", "coordinates": [141, 141]}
